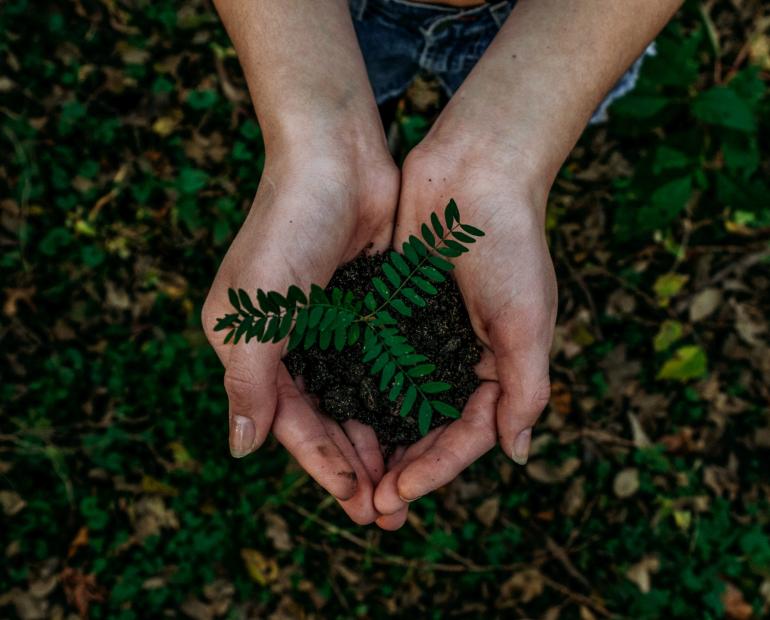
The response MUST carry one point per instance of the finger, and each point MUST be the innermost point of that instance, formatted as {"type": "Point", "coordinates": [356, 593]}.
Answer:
{"type": "Point", "coordinates": [364, 441]}
{"type": "Point", "coordinates": [394, 521]}
{"type": "Point", "coordinates": [305, 436]}
{"type": "Point", "coordinates": [463, 442]}
{"type": "Point", "coordinates": [360, 506]}
{"type": "Point", "coordinates": [522, 369]}
{"type": "Point", "coordinates": [250, 383]}
{"type": "Point", "coordinates": [386, 498]}
{"type": "Point", "coordinates": [486, 369]}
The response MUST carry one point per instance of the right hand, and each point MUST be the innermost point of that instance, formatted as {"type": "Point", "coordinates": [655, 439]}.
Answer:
{"type": "Point", "coordinates": [316, 208]}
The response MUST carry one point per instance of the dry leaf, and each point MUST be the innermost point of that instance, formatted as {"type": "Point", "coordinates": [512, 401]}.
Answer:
{"type": "Point", "coordinates": [11, 502]}
{"type": "Point", "coordinates": [488, 510]}
{"type": "Point", "coordinates": [522, 586]}
{"type": "Point", "coordinates": [278, 531]}
{"type": "Point", "coordinates": [704, 303]}
{"type": "Point", "coordinates": [261, 569]}
{"type": "Point", "coordinates": [639, 573]}
{"type": "Point", "coordinates": [547, 473]}
{"type": "Point", "coordinates": [736, 607]}
{"type": "Point", "coordinates": [626, 482]}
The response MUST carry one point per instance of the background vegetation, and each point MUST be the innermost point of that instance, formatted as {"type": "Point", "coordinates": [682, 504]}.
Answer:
{"type": "Point", "coordinates": [129, 157]}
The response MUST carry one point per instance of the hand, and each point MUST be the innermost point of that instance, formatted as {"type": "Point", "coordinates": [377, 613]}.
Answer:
{"type": "Point", "coordinates": [317, 207]}
{"type": "Point", "coordinates": [509, 287]}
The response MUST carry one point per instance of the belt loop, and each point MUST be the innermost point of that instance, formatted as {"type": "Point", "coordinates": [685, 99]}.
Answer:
{"type": "Point", "coordinates": [501, 11]}
{"type": "Point", "coordinates": [357, 8]}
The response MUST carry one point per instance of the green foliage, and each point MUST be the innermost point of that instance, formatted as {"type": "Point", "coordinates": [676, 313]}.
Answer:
{"type": "Point", "coordinates": [322, 319]}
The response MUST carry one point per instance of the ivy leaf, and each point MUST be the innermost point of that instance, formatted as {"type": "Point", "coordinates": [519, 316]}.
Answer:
{"type": "Point", "coordinates": [408, 402]}
{"type": "Point", "coordinates": [424, 417]}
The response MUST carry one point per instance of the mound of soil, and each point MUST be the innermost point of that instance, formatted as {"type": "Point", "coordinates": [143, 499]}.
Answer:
{"type": "Point", "coordinates": [341, 381]}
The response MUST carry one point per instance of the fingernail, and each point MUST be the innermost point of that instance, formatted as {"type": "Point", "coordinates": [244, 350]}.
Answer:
{"type": "Point", "coordinates": [409, 501]}
{"type": "Point", "coordinates": [241, 436]}
{"type": "Point", "coordinates": [521, 446]}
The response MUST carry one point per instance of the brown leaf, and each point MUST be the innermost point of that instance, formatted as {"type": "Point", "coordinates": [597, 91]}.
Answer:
{"type": "Point", "coordinates": [11, 502]}
{"type": "Point", "coordinates": [522, 586]}
{"type": "Point", "coordinates": [736, 607]}
{"type": "Point", "coordinates": [488, 510]}
{"type": "Point", "coordinates": [261, 569]}
{"type": "Point", "coordinates": [278, 531]}
{"type": "Point", "coordinates": [547, 473]}
{"type": "Point", "coordinates": [626, 482]}
{"type": "Point", "coordinates": [639, 573]}
{"type": "Point", "coordinates": [704, 303]}
{"type": "Point", "coordinates": [81, 590]}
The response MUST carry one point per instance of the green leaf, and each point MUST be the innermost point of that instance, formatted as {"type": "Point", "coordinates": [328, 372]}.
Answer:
{"type": "Point", "coordinates": [413, 296]}
{"type": "Point", "coordinates": [246, 304]}
{"type": "Point", "coordinates": [325, 339]}
{"type": "Point", "coordinates": [336, 296]}
{"type": "Point", "coordinates": [340, 337]}
{"type": "Point", "coordinates": [266, 303]}
{"type": "Point", "coordinates": [445, 409]}
{"type": "Point", "coordinates": [318, 295]}
{"type": "Point", "coordinates": [381, 288]}
{"type": "Point", "coordinates": [440, 263]}
{"type": "Point", "coordinates": [295, 339]}
{"type": "Point", "coordinates": [400, 307]}
{"type": "Point", "coordinates": [424, 417]}
{"type": "Point", "coordinates": [418, 246]}
{"type": "Point", "coordinates": [285, 326]}
{"type": "Point", "coordinates": [453, 245]}
{"type": "Point", "coordinates": [437, 227]}
{"type": "Point", "coordinates": [463, 237]}
{"type": "Point", "coordinates": [449, 252]}
{"type": "Point", "coordinates": [395, 389]}
{"type": "Point", "coordinates": [191, 180]}
{"type": "Point", "coordinates": [278, 300]}
{"type": "Point", "coordinates": [410, 253]}
{"type": "Point", "coordinates": [379, 363]}
{"type": "Point", "coordinates": [688, 362]}
{"type": "Point", "coordinates": [432, 274]}
{"type": "Point", "coordinates": [295, 295]}
{"type": "Point", "coordinates": [328, 320]}
{"type": "Point", "coordinates": [401, 349]}
{"type": "Point", "coordinates": [472, 230]}
{"type": "Point", "coordinates": [400, 263]}
{"type": "Point", "coordinates": [316, 312]}
{"type": "Point", "coordinates": [387, 374]}
{"type": "Point", "coordinates": [451, 213]}
{"type": "Point", "coordinates": [272, 328]}
{"type": "Point", "coordinates": [421, 370]}
{"type": "Point", "coordinates": [302, 319]}
{"type": "Point", "coordinates": [412, 359]}
{"type": "Point", "coordinates": [259, 328]}
{"type": "Point", "coordinates": [722, 106]}
{"type": "Point", "coordinates": [371, 352]}
{"type": "Point", "coordinates": [354, 333]}
{"type": "Point", "coordinates": [234, 299]}
{"type": "Point", "coordinates": [435, 387]}
{"type": "Point", "coordinates": [424, 285]}
{"type": "Point", "coordinates": [428, 235]}
{"type": "Point", "coordinates": [668, 285]}
{"type": "Point", "coordinates": [384, 317]}
{"type": "Point", "coordinates": [225, 322]}
{"type": "Point", "coordinates": [408, 402]}
{"type": "Point", "coordinates": [370, 302]}
{"type": "Point", "coordinates": [391, 274]}
{"type": "Point", "coordinates": [229, 336]}
{"type": "Point", "coordinates": [669, 332]}
{"type": "Point", "coordinates": [310, 338]}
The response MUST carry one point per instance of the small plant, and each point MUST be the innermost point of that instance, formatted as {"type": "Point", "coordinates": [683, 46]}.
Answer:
{"type": "Point", "coordinates": [339, 319]}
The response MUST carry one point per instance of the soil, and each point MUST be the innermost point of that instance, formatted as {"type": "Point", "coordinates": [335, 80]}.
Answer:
{"type": "Point", "coordinates": [441, 331]}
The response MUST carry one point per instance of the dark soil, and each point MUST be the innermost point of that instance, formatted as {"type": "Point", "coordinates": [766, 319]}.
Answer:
{"type": "Point", "coordinates": [341, 381]}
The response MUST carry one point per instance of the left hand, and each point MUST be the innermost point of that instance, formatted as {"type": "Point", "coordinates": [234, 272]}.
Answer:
{"type": "Point", "coordinates": [509, 287]}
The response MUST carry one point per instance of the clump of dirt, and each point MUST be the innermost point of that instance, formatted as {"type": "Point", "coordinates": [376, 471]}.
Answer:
{"type": "Point", "coordinates": [441, 331]}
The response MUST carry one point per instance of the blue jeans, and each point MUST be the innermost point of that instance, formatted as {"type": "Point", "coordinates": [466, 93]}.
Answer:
{"type": "Point", "coordinates": [401, 38]}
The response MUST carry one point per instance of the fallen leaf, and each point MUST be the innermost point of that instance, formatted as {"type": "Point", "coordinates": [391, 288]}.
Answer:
{"type": "Point", "coordinates": [523, 586]}
{"type": "Point", "coordinates": [548, 473]}
{"type": "Point", "coordinates": [668, 285]}
{"type": "Point", "coordinates": [278, 531]}
{"type": "Point", "coordinates": [261, 569]}
{"type": "Point", "coordinates": [668, 333]}
{"type": "Point", "coordinates": [736, 607]}
{"type": "Point", "coordinates": [626, 482]}
{"type": "Point", "coordinates": [688, 362]}
{"type": "Point", "coordinates": [640, 572]}
{"type": "Point", "coordinates": [11, 502]}
{"type": "Point", "coordinates": [704, 303]}
{"type": "Point", "coordinates": [488, 510]}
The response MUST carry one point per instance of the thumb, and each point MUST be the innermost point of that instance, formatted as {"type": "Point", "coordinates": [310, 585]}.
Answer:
{"type": "Point", "coordinates": [251, 370]}
{"type": "Point", "coordinates": [522, 370]}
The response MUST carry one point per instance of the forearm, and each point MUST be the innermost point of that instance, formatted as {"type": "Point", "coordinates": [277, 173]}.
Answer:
{"type": "Point", "coordinates": [532, 93]}
{"type": "Point", "coordinates": [304, 69]}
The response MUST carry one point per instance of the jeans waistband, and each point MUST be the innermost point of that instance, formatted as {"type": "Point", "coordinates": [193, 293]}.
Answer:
{"type": "Point", "coordinates": [499, 11]}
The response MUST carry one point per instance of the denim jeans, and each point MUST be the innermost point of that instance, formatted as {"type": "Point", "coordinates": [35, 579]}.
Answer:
{"type": "Point", "coordinates": [401, 38]}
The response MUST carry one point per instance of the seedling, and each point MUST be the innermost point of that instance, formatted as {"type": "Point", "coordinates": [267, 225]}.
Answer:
{"type": "Point", "coordinates": [339, 319]}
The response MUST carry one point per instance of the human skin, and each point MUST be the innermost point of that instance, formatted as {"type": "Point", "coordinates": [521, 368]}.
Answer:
{"type": "Point", "coordinates": [329, 190]}
{"type": "Point", "coordinates": [330, 187]}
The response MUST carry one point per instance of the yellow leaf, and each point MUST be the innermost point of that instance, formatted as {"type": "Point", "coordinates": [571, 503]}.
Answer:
{"type": "Point", "coordinates": [261, 569]}
{"type": "Point", "coordinates": [683, 518]}
{"type": "Point", "coordinates": [164, 125]}
{"type": "Point", "coordinates": [668, 334]}
{"type": "Point", "coordinates": [689, 362]}
{"type": "Point", "coordinates": [157, 487]}
{"type": "Point", "coordinates": [668, 285]}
